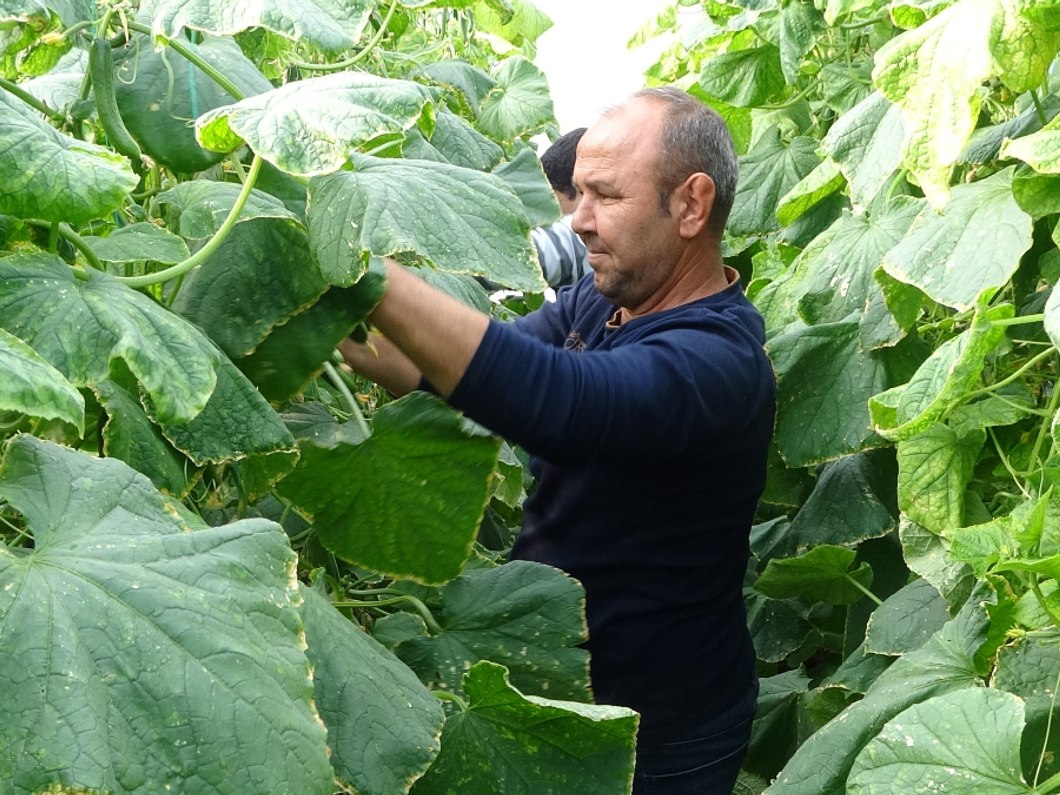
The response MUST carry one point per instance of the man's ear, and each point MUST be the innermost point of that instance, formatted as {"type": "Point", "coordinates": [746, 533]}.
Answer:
{"type": "Point", "coordinates": [698, 194]}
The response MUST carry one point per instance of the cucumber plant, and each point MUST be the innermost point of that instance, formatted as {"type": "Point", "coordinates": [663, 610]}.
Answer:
{"type": "Point", "coordinates": [896, 223]}
{"type": "Point", "coordinates": [204, 584]}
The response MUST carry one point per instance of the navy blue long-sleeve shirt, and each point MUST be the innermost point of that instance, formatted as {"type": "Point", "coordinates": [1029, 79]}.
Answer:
{"type": "Point", "coordinates": [648, 442]}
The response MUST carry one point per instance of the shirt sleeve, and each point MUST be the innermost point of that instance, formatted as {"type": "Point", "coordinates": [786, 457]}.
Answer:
{"type": "Point", "coordinates": [680, 389]}
{"type": "Point", "coordinates": [561, 252]}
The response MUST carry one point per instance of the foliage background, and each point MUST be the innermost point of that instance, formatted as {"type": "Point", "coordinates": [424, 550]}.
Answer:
{"type": "Point", "coordinates": [228, 567]}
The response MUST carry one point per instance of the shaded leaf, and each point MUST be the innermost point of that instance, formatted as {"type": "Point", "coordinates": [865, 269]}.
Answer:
{"type": "Point", "coordinates": [906, 619]}
{"type": "Point", "coordinates": [419, 457]}
{"type": "Point", "coordinates": [824, 382]}
{"type": "Point", "coordinates": [505, 742]}
{"type": "Point", "coordinates": [526, 616]}
{"type": "Point", "coordinates": [383, 725]}
{"type": "Point", "coordinates": [160, 93]}
{"type": "Point", "coordinates": [32, 386]}
{"type": "Point", "coordinates": [140, 242]}
{"type": "Point", "coordinates": [944, 664]}
{"type": "Point", "coordinates": [202, 206]}
{"type": "Point", "coordinates": [821, 575]}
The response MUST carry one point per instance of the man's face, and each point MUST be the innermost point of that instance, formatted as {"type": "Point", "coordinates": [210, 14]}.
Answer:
{"type": "Point", "coordinates": [633, 245]}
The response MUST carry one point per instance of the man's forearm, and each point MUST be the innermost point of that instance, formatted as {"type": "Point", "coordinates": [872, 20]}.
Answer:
{"type": "Point", "coordinates": [437, 333]}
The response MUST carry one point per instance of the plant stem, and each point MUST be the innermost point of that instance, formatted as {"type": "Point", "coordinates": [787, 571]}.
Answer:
{"type": "Point", "coordinates": [1049, 786]}
{"type": "Point", "coordinates": [355, 410]}
{"type": "Point", "coordinates": [1022, 320]}
{"type": "Point", "coordinates": [66, 233]}
{"type": "Point", "coordinates": [1054, 405]}
{"type": "Point", "coordinates": [1048, 731]}
{"type": "Point", "coordinates": [428, 617]}
{"type": "Point", "coordinates": [865, 590]}
{"type": "Point", "coordinates": [1031, 363]}
{"type": "Point", "coordinates": [445, 695]}
{"type": "Point", "coordinates": [357, 57]}
{"type": "Point", "coordinates": [189, 53]}
{"type": "Point", "coordinates": [1038, 107]}
{"type": "Point", "coordinates": [29, 99]}
{"type": "Point", "coordinates": [212, 244]}
{"type": "Point", "coordinates": [1007, 464]}
{"type": "Point", "coordinates": [1036, 587]}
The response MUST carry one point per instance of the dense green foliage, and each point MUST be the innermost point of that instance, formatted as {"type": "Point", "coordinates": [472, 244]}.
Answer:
{"type": "Point", "coordinates": [225, 565]}
{"type": "Point", "coordinates": [897, 225]}
{"type": "Point", "coordinates": [228, 567]}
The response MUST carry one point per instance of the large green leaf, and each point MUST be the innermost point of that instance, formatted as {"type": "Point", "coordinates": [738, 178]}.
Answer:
{"type": "Point", "coordinates": [53, 177]}
{"type": "Point", "coordinates": [331, 25]}
{"type": "Point", "coordinates": [467, 80]}
{"type": "Point", "coordinates": [934, 73]}
{"type": "Point", "coordinates": [934, 469]}
{"type": "Point", "coordinates": [821, 575]}
{"type": "Point", "coordinates": [745, 78]}
{"type": "Point", "coordinates": [140, 656]}
{"type": "Point", "coordinates": [419, 457]}
{"type": "Point", "coordinates": [519, 104]}
{"type": "Point", "coordinates": [979, 754]}
{"type": "Point", "coordinates": [201, 206]}
{"type": "Point", "coordinates": [32, 386]}
{"type": "Point", "coordinates": [80, 325]}
{"type": "Point", "coordinates": [775, 733]}
{"type": "Point", "coordinates": [526, 177]}
{"type": "Point", "coordinates": [140, 242]}
{"type": "Point", "coordinates": [526, 616]}
{"type": "Point", "coordinates": [454, 141]}
{"type": "Point", "coordinates": [866, 141]}
{"type": "Point", "coordinates": [906, 619]}
{"type": "Point", "coordinates": [506, 743]}
{"type": "Point", "coordinates": [854, 499]}
{"type": "Point", "coordinates": [383, 725]}
{"type": "Point", "coordinates": [461, 220]}
{"type": "Point", "coordinates": [311, 127]}
{"type": "Point", "coordinates": [160, 94]}
{"type": "Point", "coordinates": [944, 664]}
{"type": "Point", "coordinates": [834, 274]}
{"type": "Point", "coordinates": [768, 172]}
{"type": "Point", "coordinates": [777, 627]}
{"type": "Point", "coordinates": [129, 435]}
{"type": "Point", "coordinates": [927, 555]}
{"type": "Point", "coordinates": [974, 244]}
{"type": "Point", "coordinates": [824, 382]}
{"type": "Point", "coordinates": [294, 353]}
{"type": "Point", "coordinates": [212, 437]}
{"type": "Point", "coordinates": [260, 276]}
{"type": "Point", "coordinates": [949, 373]}
{"type": "Point", "coordinates": [1039, 150]}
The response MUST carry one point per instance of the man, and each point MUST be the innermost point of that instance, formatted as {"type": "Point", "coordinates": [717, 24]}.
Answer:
{"type": "Point", "coordinates": [648, 480]}
{"type": "Point", "coordinates": [560, 251]}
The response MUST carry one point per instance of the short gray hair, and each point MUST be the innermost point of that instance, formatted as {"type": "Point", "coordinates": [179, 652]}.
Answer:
{"type": "Point", "coordinates": [695, 139]}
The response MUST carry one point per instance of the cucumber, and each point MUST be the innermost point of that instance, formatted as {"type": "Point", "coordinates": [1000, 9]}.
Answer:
{"type": "Point", "coordinates": [101, 70]}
